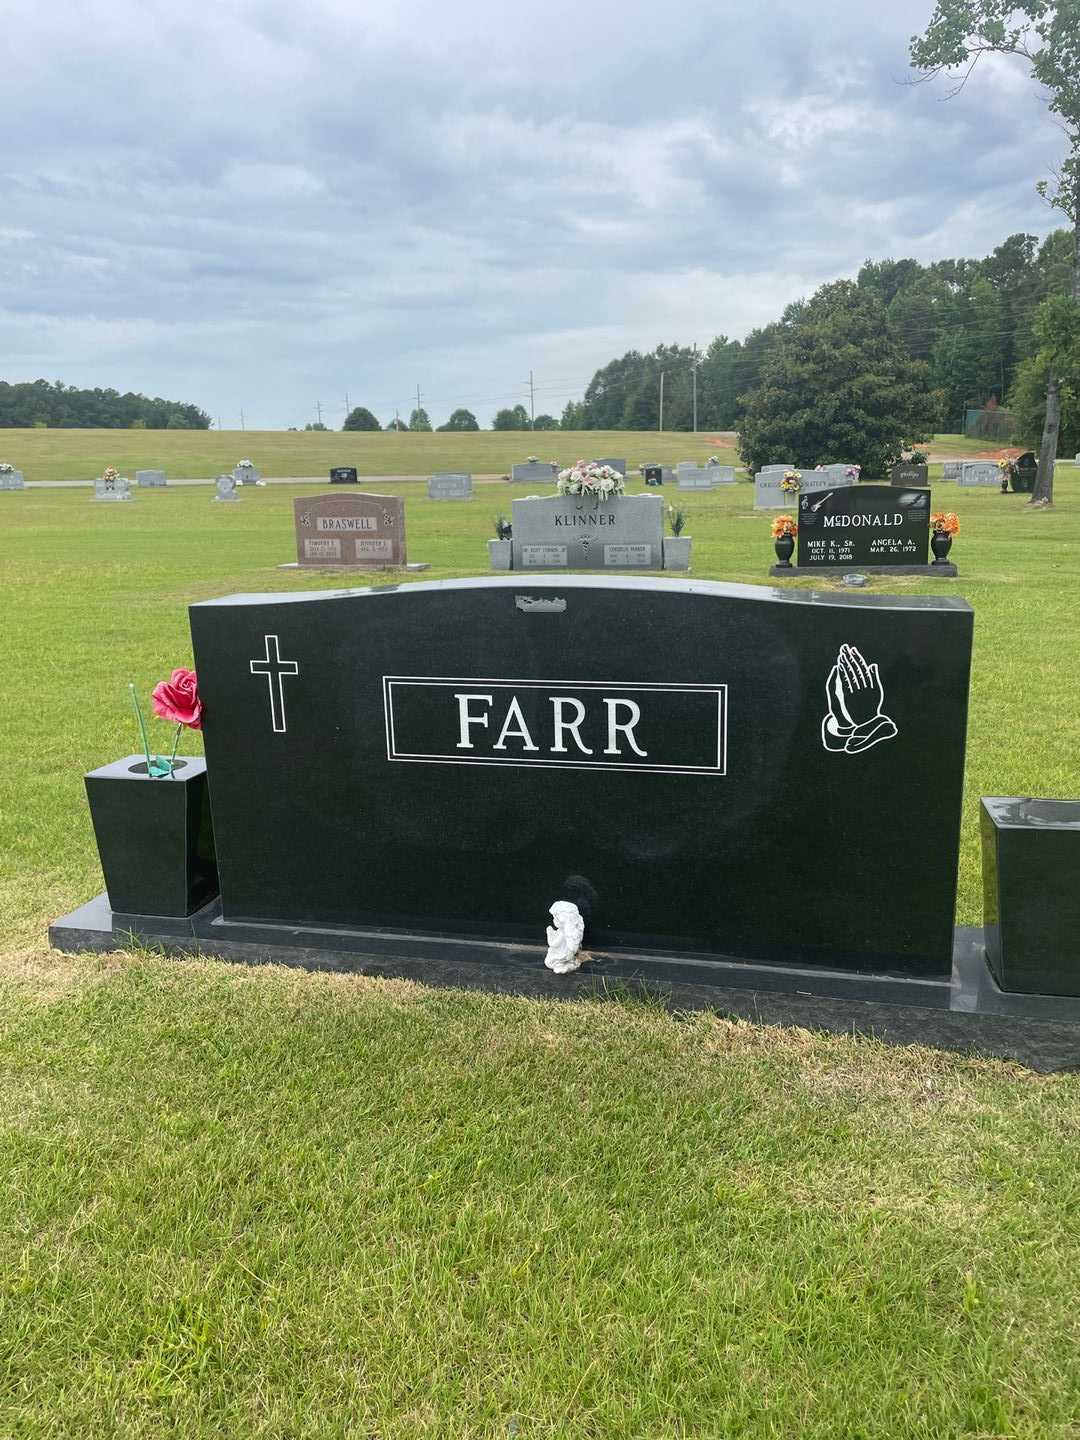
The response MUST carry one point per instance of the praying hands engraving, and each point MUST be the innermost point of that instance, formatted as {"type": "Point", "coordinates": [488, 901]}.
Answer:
{"type": "Point", "coordinates": [856, 717]}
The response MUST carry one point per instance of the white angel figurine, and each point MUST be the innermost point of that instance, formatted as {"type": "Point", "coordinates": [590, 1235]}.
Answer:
{"type": "Point", "coordinates": [564, 938]}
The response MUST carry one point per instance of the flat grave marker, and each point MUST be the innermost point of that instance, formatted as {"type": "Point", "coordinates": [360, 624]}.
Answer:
{"type": "Point", "coordinates": [150, 479]}
{"type": "Point", "coordinates": [982, 473]}
{"type": "Point", "coordinates": [450, 485]}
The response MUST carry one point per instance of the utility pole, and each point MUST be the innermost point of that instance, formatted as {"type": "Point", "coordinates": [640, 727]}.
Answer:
{"type": "Point", "coordinates": [242, 425]}
{"type": "Point", "coordinates": [397, 423]}
{"type": "Point", "coordinates": [418, 397]}
{"type": "Point", "coordinates": [346, 404]}
{"type": "Point", "coordinates": [532, 403]}
{"type": "Point", "coordinates": [661, 426]}
{"type": "Point", "coordinates": [318, 410]}
{"type": "Point", "coordinates": [694, 369]}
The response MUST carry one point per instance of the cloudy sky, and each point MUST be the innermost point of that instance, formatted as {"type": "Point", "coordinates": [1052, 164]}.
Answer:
{"type": "Point", "coordinates": [258, 205]}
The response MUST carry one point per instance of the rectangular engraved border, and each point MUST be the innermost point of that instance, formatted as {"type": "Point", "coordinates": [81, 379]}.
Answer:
{"type": "Point", "coordinates": [720, 691]}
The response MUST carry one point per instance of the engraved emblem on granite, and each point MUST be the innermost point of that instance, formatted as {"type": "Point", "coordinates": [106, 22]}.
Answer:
{"type": "Point", "coordinates": [856, 718]}
{"type": "Point", "coordinates": [275, 669]}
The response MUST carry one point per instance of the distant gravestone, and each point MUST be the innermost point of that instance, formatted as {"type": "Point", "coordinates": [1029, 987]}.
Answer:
{"type": "Point", "coordinates": [654, 474]}
{"type": "Point", "coordinates": [619, 465]}
{"type": "Point", "coordinates": [11, 479]}
{"type": "Point", "coordinates": [865, 525]}
{"type": "Point", "coordinates": [574, 532]}
{"type": "Point", "coordinates": [113, 487]}
{"type": "Point", "coordinates": [1027, 468]}
{"type": "Point", "coordinates": [150, 479]}
{"type": "Point", "coordinates": [365, 532]}
{"type": "Point", "coordinates": [950, 470]}
{"type": "Point", "coordinates": [980, 473]}
{"type": "Point", "coordinates": [226, 488]}
{"type": "Point", "coordinates": [449, 485]}
{"type": "Point", "coordinates": [246, 474]}
{"type": "Point", "coordinates": [908, 475]}
{"type": "Point", "coordinates": [534, 470]}
{"type": "Point", "coordinates": [769, 496]}
{"type": "Point", "coordinates": [696, 477]}
{"type": "Point", "coordinates": [343, 475]}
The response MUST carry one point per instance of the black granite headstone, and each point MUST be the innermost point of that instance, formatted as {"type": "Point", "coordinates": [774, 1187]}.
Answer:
{"type": "Point", "coordinates": [908, 474]}
{"type": "Point", "coordinates": [654, 474]}
{"type": "Point", "coordinates": [1027, 469]}
{"type": "Point", "coordinates": [724, 770]}
{"type": "Point", "coordinates": [343, 475]}
{"type": "Point", "coordinates": [1031, 901]}
{"type": "Point", "coordinates": [864, 525]}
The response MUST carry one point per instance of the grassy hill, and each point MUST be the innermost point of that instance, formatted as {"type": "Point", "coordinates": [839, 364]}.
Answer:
{"type": "Point", "coordinates": [188, 454]}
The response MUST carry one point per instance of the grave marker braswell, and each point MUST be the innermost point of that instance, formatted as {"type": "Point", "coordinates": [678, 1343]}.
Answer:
{"type": "Point", "coordinates": [359, 531]}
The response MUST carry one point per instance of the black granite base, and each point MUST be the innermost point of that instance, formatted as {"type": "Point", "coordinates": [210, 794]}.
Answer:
{"type": "Point", "coordinates": [965, 1012]}
{"type": "Point", "coordinates": [948, 571]}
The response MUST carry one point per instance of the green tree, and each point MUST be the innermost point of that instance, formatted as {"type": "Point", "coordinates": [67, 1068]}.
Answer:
{"type": "Point", "coordinates": [1057, 336]}
{"type": "Point", "coordinates": [573, 416]}
{"type": "Point", "coordinates": [317, 425]}
{"type": "Point", "coordinates": [515, 419]}
{"type": "Point", "coordinates": [418, 420]}
{"type": "Point", "coordinates": [360, 418]}
{"type": "Point", "coordinates": [461, 420]}
{"type": "Point", "coordinates": [835, 387]}
{"type": "Point", "coordinates": [1045, 33]}
{"type": "Point", "coordinates": [545, 422]}
{"type": "Point", "coordinates": [397, 424]}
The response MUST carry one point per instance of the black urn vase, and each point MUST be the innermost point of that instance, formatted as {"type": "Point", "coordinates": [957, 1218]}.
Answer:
{"type": "Point", "coordinates": [940, 544]}
{"type": "Point", "coordinates": [154, 836]}
{"type": "Point", "coordinates": [784, 545]}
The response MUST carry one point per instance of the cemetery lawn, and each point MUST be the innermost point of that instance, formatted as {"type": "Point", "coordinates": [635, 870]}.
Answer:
{"type": "Point", "coordinates": [189, 454]}
{"type": "Point", "coordinates": [258, 1203]}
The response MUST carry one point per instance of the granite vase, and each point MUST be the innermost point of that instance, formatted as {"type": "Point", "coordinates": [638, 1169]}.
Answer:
{"type": "Point", "coordinates": [784, 545]}
{"type": "Point", "coordinates": [154, 836]}
{"type": "Point", "coordinates": [940, 544]}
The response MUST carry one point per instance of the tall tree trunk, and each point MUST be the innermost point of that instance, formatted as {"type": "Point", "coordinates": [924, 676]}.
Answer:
{"type": "Point", "coordinates": [1043, 494]}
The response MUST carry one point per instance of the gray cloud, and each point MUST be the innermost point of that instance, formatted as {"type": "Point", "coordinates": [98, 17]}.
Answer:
{"type": "Point", "coordinates": [244, 204]}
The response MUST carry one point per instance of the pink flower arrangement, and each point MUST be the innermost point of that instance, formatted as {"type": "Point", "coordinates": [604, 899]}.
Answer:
{"type": "Point", "coordinates": [176, 699]}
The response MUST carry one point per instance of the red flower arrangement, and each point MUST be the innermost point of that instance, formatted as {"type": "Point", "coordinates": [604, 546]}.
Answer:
{"type": "Point", "coordinates": [176, 699]}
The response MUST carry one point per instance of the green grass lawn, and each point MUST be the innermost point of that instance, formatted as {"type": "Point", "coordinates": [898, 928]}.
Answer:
{"type": "Point", "coordinates": [81, 454]}
{"type": "Point", "coordinates": [264, 1204]}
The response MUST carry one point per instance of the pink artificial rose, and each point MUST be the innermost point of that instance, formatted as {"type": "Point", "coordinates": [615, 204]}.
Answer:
{"type": "Point", "coordinates": [177, 699]}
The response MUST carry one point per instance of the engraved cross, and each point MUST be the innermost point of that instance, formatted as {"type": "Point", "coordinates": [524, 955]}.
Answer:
{"type": "Point", "coordinates": [274, 668]}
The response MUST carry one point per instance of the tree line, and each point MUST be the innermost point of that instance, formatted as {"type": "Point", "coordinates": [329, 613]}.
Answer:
{"type": "Point", "coordinates": [40, 403]}
{"type": "Point", "coordinates": [972, 324]}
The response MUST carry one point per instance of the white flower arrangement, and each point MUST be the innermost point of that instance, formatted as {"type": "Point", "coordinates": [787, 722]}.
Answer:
{"type": "Point", "coordinates": [587, 478]}
{"type": "Point", "coordinates": [531, 460]}
{"type": "Point", "coordinates": [6, 469]}
{"type": "Point", "coordinates": [244, 465]}
{"type": "Point", "coordinates": [852, 472]}
{"type": "Point", "coordinates": [791, 484]}
{"type": "Point", "coordinates": [110, 473]}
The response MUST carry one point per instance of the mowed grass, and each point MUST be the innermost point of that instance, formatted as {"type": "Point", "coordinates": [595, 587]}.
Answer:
{"type": "Point", "coordinates": [186, 454]}
{"type": "Point", "coordinates": [190, 454]}
{"type": "Point", "coordinates": [267, 1204]}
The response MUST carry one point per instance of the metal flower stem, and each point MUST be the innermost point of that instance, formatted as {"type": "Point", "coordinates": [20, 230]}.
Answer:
{"type": "Point", "coordinates": [175, 744]}
{"type": "Point", "coordinates": [142, 725]}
